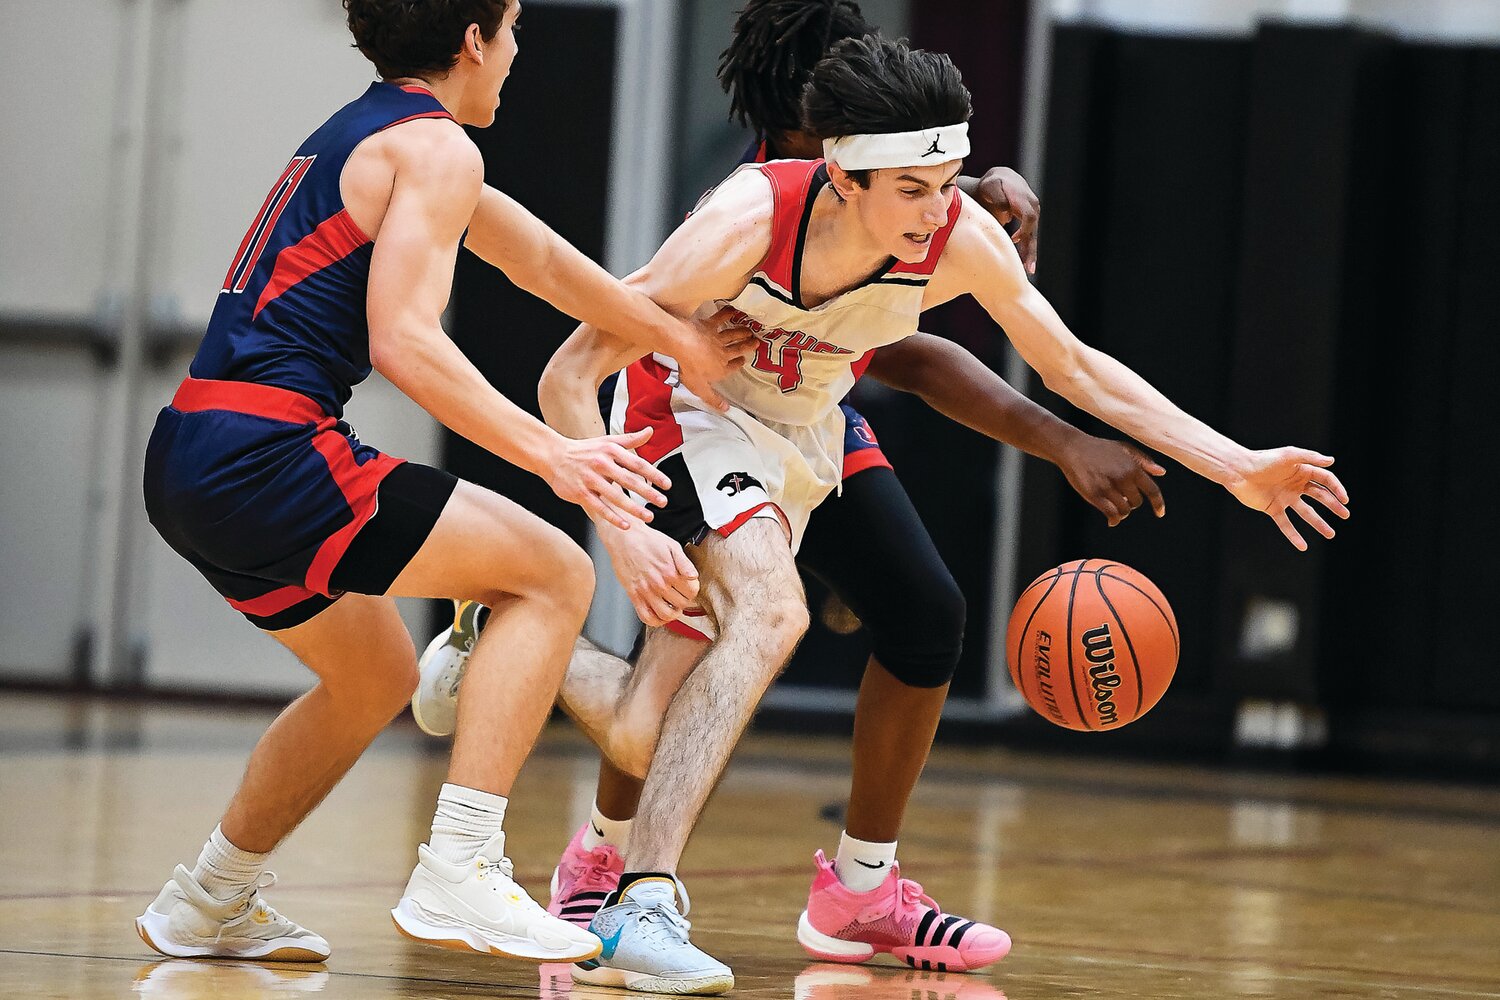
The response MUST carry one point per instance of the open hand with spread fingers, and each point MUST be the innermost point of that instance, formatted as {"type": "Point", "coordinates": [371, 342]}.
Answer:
{"type": "Point", "coordinates": [595, 473]}
{"type": "Point", "coordinates": [1283, 480]}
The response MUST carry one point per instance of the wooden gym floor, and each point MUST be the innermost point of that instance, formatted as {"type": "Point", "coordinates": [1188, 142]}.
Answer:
{"type": "Point", "coordinates": [1115, 880]}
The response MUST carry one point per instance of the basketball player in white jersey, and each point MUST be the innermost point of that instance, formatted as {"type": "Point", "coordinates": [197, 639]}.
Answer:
{"type": "Point", "coordinates": [820, 263]}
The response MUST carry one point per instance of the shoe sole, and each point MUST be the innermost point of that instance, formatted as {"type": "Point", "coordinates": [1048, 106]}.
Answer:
{"type": "Point", "coordinates": [461, 939]}
{"type": "Point", "coordinates": [271, 953]}
{"type": "Point", "coordinates": [939, 959]}
{"type": "Point", "coordinates": [641, 982]}
{"type": "Point", "coordinates": [426, 725]}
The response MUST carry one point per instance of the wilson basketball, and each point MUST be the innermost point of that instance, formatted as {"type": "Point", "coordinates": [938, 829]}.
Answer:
{"type": "Point", "coordinates": [1092, 645]}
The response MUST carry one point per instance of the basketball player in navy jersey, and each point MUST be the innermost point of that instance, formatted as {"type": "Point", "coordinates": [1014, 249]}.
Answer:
{"type": "Point", "coordinates": [252, 476]}
{"type": "Point", "coordinates": [821, 262]}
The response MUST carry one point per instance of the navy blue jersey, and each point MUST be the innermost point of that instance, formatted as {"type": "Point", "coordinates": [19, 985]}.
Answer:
{"type": "Point", "coordinates": [291, 313]}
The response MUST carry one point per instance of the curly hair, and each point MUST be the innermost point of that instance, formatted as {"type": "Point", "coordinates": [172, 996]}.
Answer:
{"type": "Point", "coordinates": [406, 38]}
{"type": "Point", "coordinates": [776, 44]}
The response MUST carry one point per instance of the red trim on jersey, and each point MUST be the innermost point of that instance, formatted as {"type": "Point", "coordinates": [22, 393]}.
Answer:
{"type": "Point", "coordinates": [789, 190]}
{"type": "Point", "coordinates": [270, 226]}
{"type": "Point", "coordinates": [412, 118]}
{"type": "Point", "coordinates": [239, 255]}
{"type": "Point", "coordinates": [939, 240]}
{"type": "Point", "coordinates": [197, 394]}
{"type": "Point", "coordinates": [865, 458]}
{"type": "Point", "coordinates": [649, 404]}
{"type": "Point", "coordinates": [761, 156]}
{"type": "Point", "coordinates": [862, 363]}
{"type": "Point", "coordinates": [412, 88]}
{"type": "Point", "coordinates": [359, 484]}
{"type": "Point", "coordinates": [335, 238]}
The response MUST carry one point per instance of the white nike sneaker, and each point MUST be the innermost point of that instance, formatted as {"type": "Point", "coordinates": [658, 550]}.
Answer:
{"type": "Point", "coordinates": [184, 921]}
{"type": "Point", "coordinates": [479, 907]}
{"type": "Point", "coordinates": [435, 702]}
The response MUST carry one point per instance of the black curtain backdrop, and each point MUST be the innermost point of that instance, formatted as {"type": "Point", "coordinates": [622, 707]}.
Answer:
{"type": "Point", "coordinates": [1294, 235]}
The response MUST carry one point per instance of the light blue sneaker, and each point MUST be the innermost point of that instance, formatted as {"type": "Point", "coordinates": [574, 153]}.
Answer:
{"type": "Point", "coordinates": [646, 944]}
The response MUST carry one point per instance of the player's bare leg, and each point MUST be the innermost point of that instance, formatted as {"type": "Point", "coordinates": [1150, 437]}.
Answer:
{"type": "Point", "coordinates": [538, 585]}
{"type": "Point", "coordinates": [894, 725]}
{"type": "Point", "coordinates": [750, 585]}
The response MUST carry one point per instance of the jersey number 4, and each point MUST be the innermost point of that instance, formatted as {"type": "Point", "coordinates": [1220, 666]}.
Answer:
{"type": "Point", "coordinates": [259, 235]}
{"type": "Point", "coordinates": [783, 358]}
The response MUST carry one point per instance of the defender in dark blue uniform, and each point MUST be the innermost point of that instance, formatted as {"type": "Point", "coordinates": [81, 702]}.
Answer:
{"type": "Point", "coordinates": [252, 475]}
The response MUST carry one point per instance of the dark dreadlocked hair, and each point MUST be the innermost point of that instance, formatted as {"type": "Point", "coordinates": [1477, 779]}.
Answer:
{"type": "Point", "coordinates": [775, 47]}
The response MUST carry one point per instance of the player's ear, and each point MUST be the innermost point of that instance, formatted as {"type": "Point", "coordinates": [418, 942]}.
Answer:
{"type": "Point", "coordinates": [843, 184]}
{"type": "Point", "coordinates": [473, 44]}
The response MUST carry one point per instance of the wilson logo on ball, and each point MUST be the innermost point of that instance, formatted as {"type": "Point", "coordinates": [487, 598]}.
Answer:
{"type": "Point", "coordinates": [1099, 648]}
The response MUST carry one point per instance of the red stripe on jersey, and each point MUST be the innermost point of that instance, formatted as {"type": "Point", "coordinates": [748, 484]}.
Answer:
{"type": "Point", "coordinates": [412, 118]}
{"type": "Point", "coordinates": [790, 180]}
{"type": "Point", "coordinates": [270, 226]}
{"type": "Point", "coordinates": [939, 240]}
{"type": "Point", "coordinates": [650, 405]}
{"type": "Point", "coordinates": [359, 484]}
{"type": "Point", "coordinates": [335, 238]}
{"type": "Point", "coordinates": [239, 255]}
{"type": "Point", "coordinates": [273, 603]}
{"type": "Point", "coordinates": [412, 88]}
{"type": "Point", "coordinates": [859, 366]}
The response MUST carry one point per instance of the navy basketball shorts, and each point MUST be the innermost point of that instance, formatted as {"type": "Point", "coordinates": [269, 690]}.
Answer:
{"type": "Point", "coordinates": [279, 505]}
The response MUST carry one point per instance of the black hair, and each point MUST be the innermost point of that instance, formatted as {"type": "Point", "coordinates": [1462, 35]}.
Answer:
{"type": "Point", "coordinates": [415, 39]}
{"type": "Point", "coordinates": [775, 47]}
{"type": "Point", "coordinates": [870, 85]}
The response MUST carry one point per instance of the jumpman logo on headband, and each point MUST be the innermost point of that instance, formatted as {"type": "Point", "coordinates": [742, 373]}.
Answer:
{"type": "Point", "coordinates": [934, 147]}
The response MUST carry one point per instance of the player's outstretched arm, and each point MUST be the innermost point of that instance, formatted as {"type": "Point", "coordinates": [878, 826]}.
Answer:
{"type": "Point", "coordinates": [437, 176]}
{"type": "Point", "coordinates": [505, 235]}
{"type": "Point", "coordinates": [1112, 476]}
{"type": "Point", "coordinates": [980, 260]}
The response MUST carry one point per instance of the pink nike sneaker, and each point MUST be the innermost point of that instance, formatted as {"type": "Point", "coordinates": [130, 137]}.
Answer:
{"type": "Point", "coordinates": [840, 925]}
{"type": "Point", "coordinates": [582, 879]}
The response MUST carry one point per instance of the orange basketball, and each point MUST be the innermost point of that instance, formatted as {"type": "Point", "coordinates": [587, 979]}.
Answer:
{"type": "Point", "coordinates": [1092, 645]}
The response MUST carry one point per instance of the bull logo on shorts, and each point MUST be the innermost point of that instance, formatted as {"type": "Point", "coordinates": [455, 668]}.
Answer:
{"type": "Point", "coordinates": [736, 482]}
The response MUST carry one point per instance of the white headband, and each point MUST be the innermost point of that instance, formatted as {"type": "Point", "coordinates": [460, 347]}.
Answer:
{"type": "Point", "coordinates": [899, 149]}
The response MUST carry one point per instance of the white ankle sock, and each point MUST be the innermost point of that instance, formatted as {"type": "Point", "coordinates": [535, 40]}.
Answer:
{"type": "Point", "coordinates": [862, 865]}
{"type": "Point", "coordinates": [466, 818]}
{"type": "Point", "coordinates": [223, 870]}
{"type": "Point", "coordinates": [603, 830]}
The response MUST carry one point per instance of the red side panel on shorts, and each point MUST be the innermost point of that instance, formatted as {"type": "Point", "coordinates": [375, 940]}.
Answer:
{"type": "Point", "coordinates": [359, 484]}
{"type": "Point", "coordinates": [650, 405]}
{"type": "Point", "coordinates": [865, 458]}
{"type": "Point", "coordinates": [939, 240]}
{"type": "Point", "coordinates": [789, 183]}
{"type": "Point", "coordinates": [273, 603]}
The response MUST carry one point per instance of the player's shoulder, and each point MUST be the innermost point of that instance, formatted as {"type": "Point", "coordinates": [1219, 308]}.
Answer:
{"type": "Point", "coordinates": [435, 148]}
{"type": "Point", "coordinates": [745, 195]}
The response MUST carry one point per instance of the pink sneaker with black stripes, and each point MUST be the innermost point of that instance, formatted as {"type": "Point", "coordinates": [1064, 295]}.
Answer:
{"type": "Point", "coordinates": [582, 879]}
{"type": "Point", "coordinates": [840, 925]}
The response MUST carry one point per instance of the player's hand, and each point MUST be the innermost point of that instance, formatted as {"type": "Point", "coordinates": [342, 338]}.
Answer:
{"type": "Point", "coordinates": [709, 351]}
{"type": "Point", "coordinates": [1113, 476]}
{"type": "Point", "coordinates": [1285, 479]}
{"type": "Point", "coordinates": [1008, 197]}
{"type": "Point", "coordinates": [595, 473]}
{"type": "Point", "coordinates": [657, 575]}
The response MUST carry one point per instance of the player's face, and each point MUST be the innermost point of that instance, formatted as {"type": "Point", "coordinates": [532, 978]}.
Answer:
{"type": "Point", "coordinates": [904, 206]}
{"type": "Point", "coordinates": [499, 53]}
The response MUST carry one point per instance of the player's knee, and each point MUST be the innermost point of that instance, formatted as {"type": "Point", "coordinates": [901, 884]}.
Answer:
{"type": "Point", "coordinates": [382, 689]}
{"type": "Point", "coordinates": [774, 623]}
{"type": "Point", "coordinates": [567, 581]}
{"type": "Point", "coordinates": [921, 646]}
